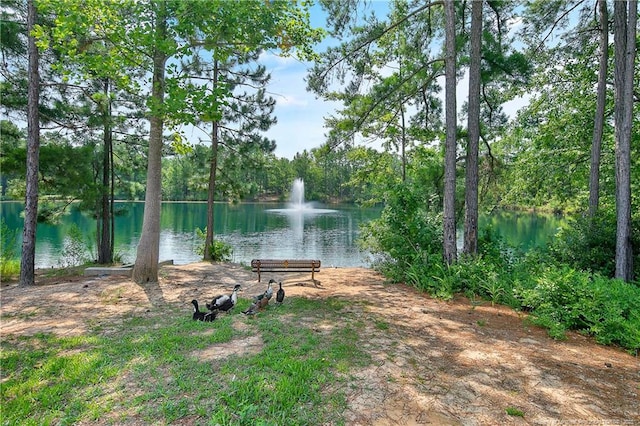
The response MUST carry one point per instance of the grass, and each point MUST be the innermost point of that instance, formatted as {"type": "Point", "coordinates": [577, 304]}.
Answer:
{"type": "Point", "coordinates": [9, 269]}
{"type": "Point", "coordinates": [148, 369]}
{"type": "Point", "coordinates": [514, 412]}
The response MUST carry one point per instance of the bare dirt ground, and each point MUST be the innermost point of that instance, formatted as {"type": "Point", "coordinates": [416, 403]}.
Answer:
{"type": "Point", "coordinates": [434, 362]}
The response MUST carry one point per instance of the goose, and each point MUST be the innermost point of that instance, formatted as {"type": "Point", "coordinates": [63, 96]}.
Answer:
{"type": "Point", "coordinates": [202, 316]}
{"type": "Point", "coordinates": [280, 294]}
{"type": "Point", "coordinates": [225, 302]}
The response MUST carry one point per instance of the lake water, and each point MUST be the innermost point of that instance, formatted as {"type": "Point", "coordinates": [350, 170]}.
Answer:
{"type": "Point", "coordinates": [255, 230]}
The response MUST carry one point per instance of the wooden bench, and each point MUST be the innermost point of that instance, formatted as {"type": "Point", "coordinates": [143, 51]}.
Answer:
{"type": "Point", "coordinates": [285, 265]}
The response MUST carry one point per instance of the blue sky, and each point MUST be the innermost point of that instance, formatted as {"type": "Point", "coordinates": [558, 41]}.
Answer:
{"type": "Point", "coordinates": [300, 113]}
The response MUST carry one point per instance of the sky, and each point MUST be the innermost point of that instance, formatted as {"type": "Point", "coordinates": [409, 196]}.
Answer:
{"type": "Point", "coordinates": [300, 113]}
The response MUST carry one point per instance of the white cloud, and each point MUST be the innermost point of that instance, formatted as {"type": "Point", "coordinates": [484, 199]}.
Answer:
{"type": "Point", "coordinates": [300, 113]}
{"type": "Point", "coordinates": [291, 101]}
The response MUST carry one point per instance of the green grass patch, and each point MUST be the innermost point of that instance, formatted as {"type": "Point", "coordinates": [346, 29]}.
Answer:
{"type": "Point", "coordinates": [512, 411]}
{"type": "Point", "coordinates": [9, 269]}
{"type": "Point", "coordinates": [149, 368]}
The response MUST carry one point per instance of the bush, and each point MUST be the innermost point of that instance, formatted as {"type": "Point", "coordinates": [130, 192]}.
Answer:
{"type": "Point", "coordinates": [75, 251]}
{"type": "Point", "coordinates": [220, 250]}
{"type": "Point", "coordinates": [614, 317]}
{"type": "Point", "coordinates": [9, 259]}
{"type": "Point", "coordinates": [589, 244]}
{"type": "Point", "coordinates": [565, 299]}
{"type": "Point", "coordinates": [407, 238]}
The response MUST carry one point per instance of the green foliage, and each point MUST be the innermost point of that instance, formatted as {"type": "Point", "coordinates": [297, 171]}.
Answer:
{"type": "Point", "coordinates": [565, 299]}
{"type": "Point", "coordinates": [512, 411]}
{"type": "Point", "coordinates": [9, 268]}
{"type": "Point", "coordinates": [9, 261]}
{"type": "Point", "coordinates": [589, 244]}
{"type": "Point", "coordinates": [75, 251]}
{"type": "Point", "coordinates": [221, 251]}
{"type": "Point", "coordinates": [406, 234]}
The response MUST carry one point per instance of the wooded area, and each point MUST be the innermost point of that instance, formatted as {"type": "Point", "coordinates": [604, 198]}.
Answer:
{"type": "Point", "coordinates": [110, 84]}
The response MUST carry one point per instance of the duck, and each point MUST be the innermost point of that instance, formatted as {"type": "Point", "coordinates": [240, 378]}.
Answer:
{"type": "Point", "coordinates": [251, 310]}
{"type": "Point", "coordinates": [280, 294]}
{"type": "Point", "coordinates": [257, 306]}
{"type": "Point", "coordinates": [202, 316]}
{"type": "Point", "coordinates": [268, 293]}
{"type": "Point", "coordinates": [225, 302]}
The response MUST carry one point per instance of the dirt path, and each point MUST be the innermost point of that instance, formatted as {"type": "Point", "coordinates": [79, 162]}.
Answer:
{"type": "Point", "coordinates": [435, 362]}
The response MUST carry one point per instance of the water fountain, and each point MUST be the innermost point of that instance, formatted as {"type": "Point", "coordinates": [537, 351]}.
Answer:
{"type": "Point", "coordinates": [297, 203]}
{"type": "Point", "coordinates": [296, 200]}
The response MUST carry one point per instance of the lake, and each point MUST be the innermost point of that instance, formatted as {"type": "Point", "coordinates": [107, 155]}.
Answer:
{"type": "Point", "coordinates": [255, 230]}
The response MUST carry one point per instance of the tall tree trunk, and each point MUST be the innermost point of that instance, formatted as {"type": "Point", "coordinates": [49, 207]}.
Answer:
{"type": "Point", "coordinates": [625, 22]}
{"type": "Point", "coordinates": [449, 203]}
{"type": "Point", "coordinates": [208, 242]}
{"type": "Point", "coordinates": [112, 198]}
{"type": "Point", "coordinates": [27, 260]}
{"type": "Point", "coordinates": [403, 136]}
{"type": "Point", "coordinates": [403, 147]}
{"type": "Point", "coordinates": [104, 249]}
{"type": "Point", "coordinates": [473, 124]}
{"type": "Point", "coordinates": [601, 99]}
{"type": "Point", "coordinates": [147, 256]}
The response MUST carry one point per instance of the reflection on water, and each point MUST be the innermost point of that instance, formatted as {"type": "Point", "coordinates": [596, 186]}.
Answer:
{"type": "Point", "coordinates": [312, 233]}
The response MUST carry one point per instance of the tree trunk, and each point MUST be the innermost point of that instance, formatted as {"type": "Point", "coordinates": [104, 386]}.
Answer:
{"type": "Point", "coordinates": [146, 265]}
{"type": "Point", "coordinates": [27, 260]}
{"type": "Point", "coordinates": [473, 124]}
{"type": "Point", "coordinates": [601, 99]}
{"type": "Point", "coordinates": [449, 214]}
{"type": "Point", "coordinates": [112, 197]}
{"type": "Point", "coordinates": [208, 243]}
{"type": "Point", "coordinates": [104, 248]}
{"type": "Point", "coordinates": [625, 22]}
{"type": "Point", "coordinates": [403, 146]}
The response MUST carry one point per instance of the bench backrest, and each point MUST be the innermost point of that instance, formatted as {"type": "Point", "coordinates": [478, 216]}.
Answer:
{"type": "Point", "coordinates": [285, 263]}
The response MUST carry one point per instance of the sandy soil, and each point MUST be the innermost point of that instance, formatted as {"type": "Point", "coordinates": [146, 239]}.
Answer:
{"type": "Point", "coordinates": [435, 362]}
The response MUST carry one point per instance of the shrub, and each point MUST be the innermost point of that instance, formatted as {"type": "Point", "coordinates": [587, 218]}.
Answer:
{"type": "Point", "coordinates": [565, 299]}
{"type": "Point", "coordinates": [75, 250]}
{"type": "Point", "coordinates": [220, 250]}
{"type": "Point", "coordinates": [612, 313]}
{"type": "Point", "coordinates": [589, 244]}
{"type": "Point", "coordinates": [9, 259]}
{"type": "Point", "coordinates": [8, 242]}
{"type": "Point", "coordinates": [407, 238]}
